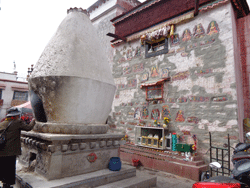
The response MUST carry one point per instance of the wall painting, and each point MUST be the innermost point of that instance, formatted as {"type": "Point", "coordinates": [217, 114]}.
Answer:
{"type": "Point", "coordinates": [132, 83]}
{"type": "Point", "coordinates": [155, 114]}
{"type": "Point", "coordinates": [199, 31]}
{"type": "Point", "coordinates": [182, 99]}
{"type": "Point", "coordinates": [220, 99]}
{"type": "Point", "coordinates": [212, 28]}
{"type": "Point", "coordinates": [144, 112]}
{"type": "Point", "coordinates": [179, 116]}
{"type": "Point", "coordinates": [193, 120]}
{"type": "Point", "coordinates": [144, 77]}
{"type": "Point", "coordinates": [176, 40]}
{"type": "Point", "coordinates": [154, 71]}
{"type": "Point", "coordinates": [180, 76]}
{"type": "Point", "coordinates": [186, 36]}
{"type": "Point", "coordinates": [138, 67]}
{"type": "Point", "coordinates": [166, 112]}
{"type": "Point", "coordinates": [127, 70]}
{"type": "Point", "coordinates": [165, 72]}
{"type": "Point", "coordinates": [198, 99]}
{"type": "Point", "coordinates": [137, 114]}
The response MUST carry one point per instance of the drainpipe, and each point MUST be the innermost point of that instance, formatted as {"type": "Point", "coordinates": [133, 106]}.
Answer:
{"type": "Point", "coordinates": [196, 8]}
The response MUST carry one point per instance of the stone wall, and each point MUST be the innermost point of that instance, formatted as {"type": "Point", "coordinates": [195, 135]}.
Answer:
{"type": "Point", "coordinates": [201, 96]}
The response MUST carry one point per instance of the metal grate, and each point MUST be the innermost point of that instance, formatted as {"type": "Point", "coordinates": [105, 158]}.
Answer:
{"type": "Point", "coordinates": [221, 158]}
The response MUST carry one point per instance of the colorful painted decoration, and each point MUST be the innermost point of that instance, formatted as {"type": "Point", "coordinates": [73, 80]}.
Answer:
{"type": "Point", "coordinates": [92, 157]}
{"type": "Point", "coordinates": [121, 86]}
{"type": "Point", "coordinates": [171, 100]}
{"type": "Point", "coordinates": [121, 60]}
{"type": "Point", "coordinates": [127, 70]}
{"type": "Point", "coordinates": [171, 51]}
{"type": "Point", "coordinates": [193, 120]}
{"type": "Point", "coordinates": [175, 40]}
{"type": "Point", "coordinates": [186, 133]}
{"type": "Point", "coordinates": [198, 99]}
{"type": "Point", "coordinates": [144, 77]}
{"type": "Point", "coordinates": [203, 72]}
{"type": "Point", "coordinates": [155, 114]}
{"type": "Point", "coordinates": [154, 71]}
{"type": "Point", "coordinates": [129, 54]}
{"type": "Point", "coordinates": [182, 99]}
{"type": "Point", "coordinates": [137, 114]}
{"type": "Point", "coordinates": [192, 46]}
{"type": "Point", "coordinates": [144, 112]}
{"type": "Point", "coordinates": [212, 28]}
{"type": "Point", "coordinates": [166, 112]}
{"type": "Point", "coordinates": [131, 113]}
{"type": "Point", "coordinates": [199, 31]}
{"type": "Point", "coordinates": [186, 36]}
{"type": "Point", "coordinates": [132, 83]}
{"type": "Point", "coordinates": [180, 76]}
{"type": "Point", "coordinates": [180, 49]}
{"type": "Point", "coordinates": [137, 51]}
{"type": "Point", "coordinates": [138, 67]}
{"type": "Point", "coordinates": [179, 116]}
{"type": "Point", "coordinates": [165, 72]}
{"type": "Point", "coordinates": [184, 54]}
{"type": "Point", "coordinates": [219, 99]}
{"type": "Point", "coordinates": [210, 41]}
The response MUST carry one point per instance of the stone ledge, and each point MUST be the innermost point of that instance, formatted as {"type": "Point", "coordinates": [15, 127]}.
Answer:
{"type": "Point", "coordinates": [98, 178]}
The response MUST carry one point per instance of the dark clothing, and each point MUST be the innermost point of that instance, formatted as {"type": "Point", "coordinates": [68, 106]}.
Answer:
{"type": "Point", "coordinates": [13, 143]}
{"type": "Point", "coordinates": [11, 149]}
{"type": "Point", "coordinates": [8, 169]}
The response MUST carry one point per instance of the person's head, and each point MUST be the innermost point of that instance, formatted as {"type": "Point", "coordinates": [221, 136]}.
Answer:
{"type": "Point", "coordinates": [13, 113]}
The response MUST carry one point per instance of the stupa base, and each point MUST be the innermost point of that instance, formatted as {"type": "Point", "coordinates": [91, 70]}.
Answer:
{"type": "Point", "coordinates": [56, 156]}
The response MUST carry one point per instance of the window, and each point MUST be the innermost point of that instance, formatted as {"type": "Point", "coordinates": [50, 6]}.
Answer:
{"type": "Point", "coordinates": [154, 92]}
{"type": "Point", "coordinates": [21, 95]}
{"type": "Point", "coordinates": [157, 48]}
{"type": "Point", "coordinates": [0, 93]}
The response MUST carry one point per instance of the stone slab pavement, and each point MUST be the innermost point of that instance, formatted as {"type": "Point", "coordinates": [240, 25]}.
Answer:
{"type": "Point", "coordinates": [166, 180]}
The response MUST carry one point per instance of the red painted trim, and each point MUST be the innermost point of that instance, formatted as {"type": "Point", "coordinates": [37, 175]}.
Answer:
{"type": "Point", "coordinates": [4, 80]}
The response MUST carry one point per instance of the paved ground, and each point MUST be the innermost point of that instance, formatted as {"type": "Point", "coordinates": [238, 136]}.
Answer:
{"type": "Point", "coordinates": [164, 179]}
{"type": "Point", "coordinates": [167, 180]}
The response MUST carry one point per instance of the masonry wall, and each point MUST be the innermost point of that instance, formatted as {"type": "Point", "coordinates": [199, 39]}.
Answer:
{"type": "Point", "coordinates": [201, 96]}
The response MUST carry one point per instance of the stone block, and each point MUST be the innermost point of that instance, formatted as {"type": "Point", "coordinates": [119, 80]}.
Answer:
{"type": "Point", "coordinates": [92, 145]}
{"type": "Point", "coordinates": [64, 147]}
{"type": "Point", "coordinates": [82, 146]}
{"type": "Point", "coordinates": [109, 143]}
{"type": "Point", "coordinates": [74, 147]}
{"type": "Point", "coordinates": [102, 143]}
{"type": "Point", "coordinates": [51, 148]}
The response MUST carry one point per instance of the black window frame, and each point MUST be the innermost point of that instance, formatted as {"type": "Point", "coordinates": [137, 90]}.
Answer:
{"type": "Point", "coordinates": [152, 54]}
{"type": "Point", "coordinates": [26, 97]}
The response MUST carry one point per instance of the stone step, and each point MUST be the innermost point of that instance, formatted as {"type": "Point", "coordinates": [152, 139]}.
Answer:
{"type": "Point", "coordinates": [94, 179]}
{"type": "Point", "coordinates": [139, 181]}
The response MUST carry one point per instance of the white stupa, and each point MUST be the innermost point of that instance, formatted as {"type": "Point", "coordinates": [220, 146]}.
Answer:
{"type": "Point", "coordinates": [72, 79]}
